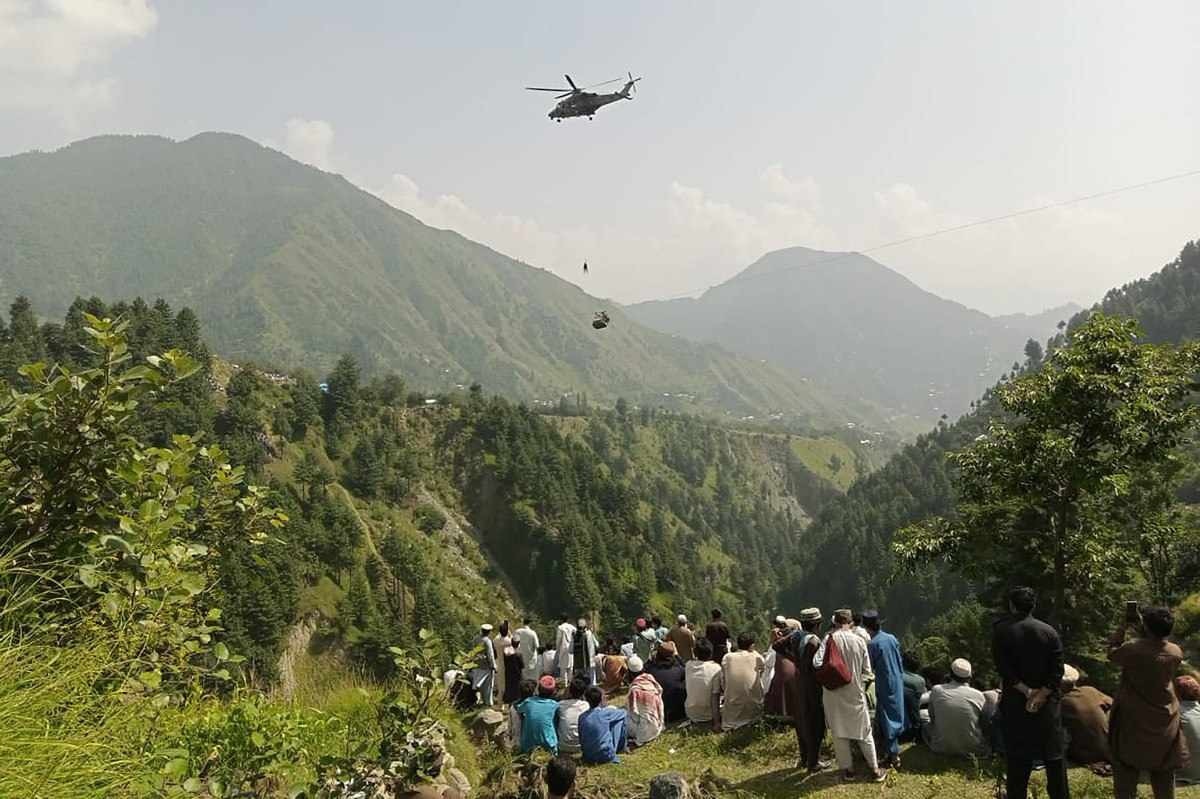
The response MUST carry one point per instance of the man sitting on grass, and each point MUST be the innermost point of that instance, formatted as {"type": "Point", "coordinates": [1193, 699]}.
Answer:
{"type": "Point", "coordinates": [601, 730]}
{"type": "Point", "coordinates": [537, 718]}
{"type": "Point", "coordinates": [560, 778]}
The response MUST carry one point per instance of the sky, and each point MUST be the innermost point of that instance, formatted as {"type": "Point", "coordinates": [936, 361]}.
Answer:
{"type": "Point", "coordinates": [757, 125]}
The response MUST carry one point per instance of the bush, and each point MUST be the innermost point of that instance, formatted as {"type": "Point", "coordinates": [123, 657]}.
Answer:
{"type": "Point", "coordinates": [428, 519]}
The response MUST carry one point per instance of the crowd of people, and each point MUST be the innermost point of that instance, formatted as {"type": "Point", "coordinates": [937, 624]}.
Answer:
{"type": "Point", "coordinates": [849, 677]}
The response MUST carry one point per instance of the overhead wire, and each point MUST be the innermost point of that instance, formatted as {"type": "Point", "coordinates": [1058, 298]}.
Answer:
{"type": "Point", "coordinates": [955, 228]}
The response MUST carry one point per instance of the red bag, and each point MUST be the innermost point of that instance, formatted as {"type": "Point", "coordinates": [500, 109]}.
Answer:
{"type": "Point", "coordinates": [834, 673]}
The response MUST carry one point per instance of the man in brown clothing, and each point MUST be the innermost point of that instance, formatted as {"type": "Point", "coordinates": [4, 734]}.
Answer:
{"type": "Point", "coordinates": [1085, 718]}
{"type": "Point", "coordinates": [1144, 729]}
{"type": "Point", "coordinates": [684, 639]}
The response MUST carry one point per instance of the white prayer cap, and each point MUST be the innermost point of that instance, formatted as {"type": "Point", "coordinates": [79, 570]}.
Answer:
{"type": "Point", "coordinates": [635, 664]}
{"type": "Point", "coordinates": [961, 668]}
{"type": "Point", "coordinates": [681, 619]}
{"type": "Point", "coordinates": [1070, 674]}
{"type": "Point", "coordinates": [487, 628]}
{"type": "Point", "coordinates": [582, 623]}
{"type": "Point", "coordinates": [780, 620]}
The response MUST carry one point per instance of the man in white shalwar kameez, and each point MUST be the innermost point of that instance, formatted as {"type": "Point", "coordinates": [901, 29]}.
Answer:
{"type": "Point", "coordinates": [846, 710]}
{"type": "Point", "coordinates": [564, 645]}
{"type": "Point", "coordinates": [529, 652]}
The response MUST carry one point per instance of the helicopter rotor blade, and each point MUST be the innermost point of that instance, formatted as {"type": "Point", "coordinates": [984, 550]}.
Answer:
{"type": "Point", "coordinates": [573, 86]}
{"type": "Point", "coordinates": [603, 83]}
{"type": "Point", "coordinates": [541, 89]}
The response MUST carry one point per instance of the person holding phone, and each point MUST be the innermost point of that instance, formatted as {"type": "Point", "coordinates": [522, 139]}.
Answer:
{"type": "Point", "coordinates": [1144, 726]}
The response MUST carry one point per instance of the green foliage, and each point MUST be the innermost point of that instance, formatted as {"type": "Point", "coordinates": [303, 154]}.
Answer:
{"type": "Point", "coordinates": [1075, 495]}
{"type": "Point", "coordinates": [246, 746]}
{"type": "Point", "coordinates": [429, 519]}
{"type": "Point", "coordinates": [963, 631]}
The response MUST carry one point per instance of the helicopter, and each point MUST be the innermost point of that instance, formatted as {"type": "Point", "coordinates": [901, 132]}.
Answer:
{"type": "Point", "coordinates": [577, 102]}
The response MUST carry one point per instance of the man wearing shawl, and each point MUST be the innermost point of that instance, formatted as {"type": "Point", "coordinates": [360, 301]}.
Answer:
{"type": "Point", "coordinates": [808, 714]}
{"type": "Point", "coordinates": [884, 651]}
{"type": "Point", "coordinates": [644, 705]}
{"type": "Point", "coordinates": [584, 652]}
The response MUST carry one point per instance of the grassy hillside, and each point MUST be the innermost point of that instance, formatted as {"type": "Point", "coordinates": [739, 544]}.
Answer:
{"type": "Point", "coordinates": [291, 267]}
{"type": "Point", "coordinates": [847, 321]}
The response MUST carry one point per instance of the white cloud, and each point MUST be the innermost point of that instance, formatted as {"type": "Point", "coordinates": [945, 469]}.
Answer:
{"type": "Point", "coordinates": [52, 52]}
{"type": "Point", "coordinates": [310, 141]}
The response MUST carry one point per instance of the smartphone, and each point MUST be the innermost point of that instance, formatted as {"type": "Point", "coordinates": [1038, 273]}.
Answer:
{"type": "Point", "coordinates": [1132, 615]}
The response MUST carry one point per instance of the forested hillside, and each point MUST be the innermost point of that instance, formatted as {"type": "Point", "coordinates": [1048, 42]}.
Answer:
{"type": "Point", "coordinates": [407, 511]}
{"type": "Point", "coordinates": [292, 267]}
{"type": "Point", "coordinates": [848, 321]}
{"type": "Point", "coordinates": [851, 539]}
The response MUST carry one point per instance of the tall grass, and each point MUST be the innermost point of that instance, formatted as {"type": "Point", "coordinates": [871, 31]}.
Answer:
{"type": "Point", "coordinates": [59, 737]}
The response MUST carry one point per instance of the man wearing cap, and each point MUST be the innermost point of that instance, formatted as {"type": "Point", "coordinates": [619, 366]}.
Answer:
{"type": "Point", "coordinates": [584, 654]}
{"type": "Point", "coordinates": [564, 647]}
{"type": "Point", "coordinates": [1085, 718]}
{"type": "Point", "coordinates": [956, 715]}
{"type": "Point", "coordinates": [684, 639]}
{"type": "Point", "coordinates": [538, 715]}
{"type": "Point", "coordinates": [667, 669]}
{"type": "Point", "coordinates": [884, 651]}
{"type": "Point", "coordinates": [846, 707]}
{"type": "Point", "coordinates": [808, 713]}
{"type": "Point", "coordinates": [645, 640]}
{"type": "Point", "coordinates": [644, 705]}
{"type": "Point", "coordinates": [483, 676]}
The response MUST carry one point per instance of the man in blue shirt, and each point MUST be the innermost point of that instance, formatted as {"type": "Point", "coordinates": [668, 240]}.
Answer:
{"type": "Point", "coordinates": [886, 662]}
{"type": "Point", "coordinates": [601, 730]}
{"type": "Point", "coordinates": [537, 718]}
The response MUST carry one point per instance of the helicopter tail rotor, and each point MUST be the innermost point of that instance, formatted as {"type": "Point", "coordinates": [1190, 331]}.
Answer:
{"type": "Point", "coordinates": [630, 86]}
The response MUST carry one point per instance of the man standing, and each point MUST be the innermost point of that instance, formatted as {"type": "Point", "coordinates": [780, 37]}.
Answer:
{"type": "Point", "coordinates": [660, 630]}
{"type": "Point", "coordinates": [717, 633]}
{"type": "Point", "coordinates": [741, 684]}
{"type": "Point", "coordinates": [956, 715]}
{"type": "Point", "coordinates": [846, 706]}
{"type": "Point", "coordinates": [683, 638]}
{"type": "Point", "coordinates": [529, 649]}
{"type": "Point", "coordinates": [645, 640]}
{"type": "Point", "coordinates": [808, 713]}
{"type": "Point", "coordinates": [1144, 730]}
{"type": "Point", "coordinates": [1029, 656]}
{"type": "Point", "coordinates": [564, 646]}
{"type": "Point", "coordinates": [484, 675]}
{"type": "Point", "coordinates": [584, 652]}
{"type": "Point", "coordinates": [884, 651]}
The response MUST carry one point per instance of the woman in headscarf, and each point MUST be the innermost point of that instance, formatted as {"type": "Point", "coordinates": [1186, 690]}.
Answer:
{"type": "Point", "coordinates": [644, 704]}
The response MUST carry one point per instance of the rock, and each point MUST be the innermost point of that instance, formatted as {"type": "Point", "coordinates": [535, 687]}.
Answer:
{"type": "Point", "coordinates": [490, 725]}
{"type": "Point", "coordinates": [671, 785]}
{"type": "Point", "coordinates": [458, 781]}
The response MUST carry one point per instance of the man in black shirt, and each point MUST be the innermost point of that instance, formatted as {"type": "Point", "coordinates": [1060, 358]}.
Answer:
{"type": "Point", "coordinates": [1029, 656]}
{"type": "Point", "coordinates": [717, 632]}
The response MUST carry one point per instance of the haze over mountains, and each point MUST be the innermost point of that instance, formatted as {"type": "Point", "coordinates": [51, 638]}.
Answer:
{"type": "Point", "coordinates": [848, 321]}
{"type": "Point", "coordinates": [292, 266]}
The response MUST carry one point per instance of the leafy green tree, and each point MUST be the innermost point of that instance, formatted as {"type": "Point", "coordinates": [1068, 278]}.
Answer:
{"type": "Point", "coordinates": [1063, 492]}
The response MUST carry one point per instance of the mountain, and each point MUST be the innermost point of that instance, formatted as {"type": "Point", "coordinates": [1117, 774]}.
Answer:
{"type": "Point", "coordinates": [848, 552]}
{"type": "Point", "coordinates": [291, 266]}
{"type": "Point", "coordinates": [848, 321]}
